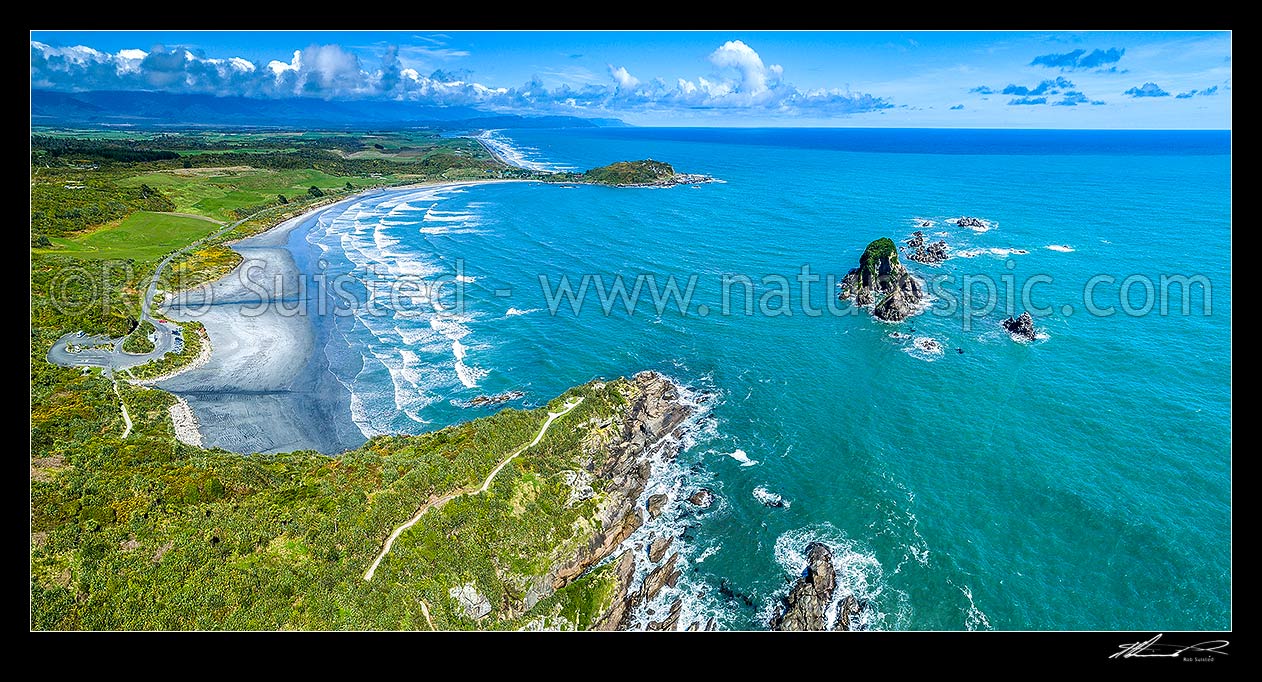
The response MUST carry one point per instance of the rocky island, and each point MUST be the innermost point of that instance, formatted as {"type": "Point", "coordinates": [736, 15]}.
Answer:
{"type": "Point", "coordinates": [883, 280]}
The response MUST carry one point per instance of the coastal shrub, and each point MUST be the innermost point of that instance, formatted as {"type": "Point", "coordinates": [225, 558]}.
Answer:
{"type": "Point", "coordinates": [138, 341]}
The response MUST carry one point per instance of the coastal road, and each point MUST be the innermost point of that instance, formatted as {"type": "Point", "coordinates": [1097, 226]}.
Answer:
{"type": "Point", "coordinates": [438, 502]}
{"type": "Point", "coordinates": [116, 358]}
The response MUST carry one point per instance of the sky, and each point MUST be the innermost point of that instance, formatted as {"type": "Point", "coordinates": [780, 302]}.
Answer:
{"type": "Point", "coordinates": [1164, 80]}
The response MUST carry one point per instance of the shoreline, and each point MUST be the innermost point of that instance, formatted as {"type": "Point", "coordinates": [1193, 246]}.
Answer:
{"type": "Point", "coordinates": [266, 386]}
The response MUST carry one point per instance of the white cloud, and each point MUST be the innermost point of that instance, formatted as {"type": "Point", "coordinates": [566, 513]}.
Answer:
{"type": "Point", "coordinates": [279, 68]}
{"type": "Point", "coordinates": [755, 76]}
{"type": "Point", "coordinates": [744, 82]}
{"type": "Point", "coordinates": [626, 82]}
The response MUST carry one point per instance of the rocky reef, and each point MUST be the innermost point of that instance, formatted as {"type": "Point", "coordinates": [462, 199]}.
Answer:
{"type": "Point", "coordinates": [1021, 328]}
{"type": "Point", "coordinates": [924, 252]}
{"type": "Point", "coordinates": [972, 223]}
{"type": "Point", "coordinates": [881, 276]}
{"type": "Point", "coordinates": [805, 607]}
{"type": "Point", "coordinates": [498, 399]}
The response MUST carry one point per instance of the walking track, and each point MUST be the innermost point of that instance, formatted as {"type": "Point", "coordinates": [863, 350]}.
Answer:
{"type": "Point", "coordinates": [435, 503]}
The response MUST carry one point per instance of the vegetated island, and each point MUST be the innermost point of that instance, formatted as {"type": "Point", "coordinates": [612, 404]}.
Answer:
{"type": "Point", "coordinates": [880, 274]}
{"type": "Point", "coordinates": [645, 173]}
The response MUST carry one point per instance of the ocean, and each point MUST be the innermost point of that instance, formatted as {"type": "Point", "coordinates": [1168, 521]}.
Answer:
{"type": "Point", "coordinates": [1081, 481]}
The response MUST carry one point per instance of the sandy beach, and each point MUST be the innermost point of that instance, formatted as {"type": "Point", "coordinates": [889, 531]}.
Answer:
{"type": "Point", "coordinates": [267, 387]}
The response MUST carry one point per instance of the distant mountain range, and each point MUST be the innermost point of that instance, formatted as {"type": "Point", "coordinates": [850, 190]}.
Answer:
{"type": "Point", "coordinates": [174, 110]}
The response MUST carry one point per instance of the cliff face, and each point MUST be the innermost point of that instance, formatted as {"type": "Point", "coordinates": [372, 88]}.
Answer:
{"type": "Point", "coordinates": [882, 279]}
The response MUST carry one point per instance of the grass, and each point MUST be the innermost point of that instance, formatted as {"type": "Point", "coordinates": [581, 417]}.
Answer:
{"type": "Point", "coordinates": [215, 192]}
{"type": "Point", "coordinates": [142, 235]}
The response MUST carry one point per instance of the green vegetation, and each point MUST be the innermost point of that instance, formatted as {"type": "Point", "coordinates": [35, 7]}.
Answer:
{"type": "Point", "coordinates": [140, 236]}
{"type": "Point", "coordinates": [138, 341]}
{"type": "Point", "coordinates": [878, 249]}
{"type": "Point", "coordinates": [63, 203]}
{"type": "Point", "coordinates": [630, 173]}
{"type": "Point", "coordinates": [194, 335]}
{"type": "Point", "coordinates": [148, 533]}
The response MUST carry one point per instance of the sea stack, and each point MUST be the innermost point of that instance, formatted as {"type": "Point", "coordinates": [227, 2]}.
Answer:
{"type": "Point", "coordinates": [880, 275]}
{"type": "Point", "coordinates": [1021, 327]}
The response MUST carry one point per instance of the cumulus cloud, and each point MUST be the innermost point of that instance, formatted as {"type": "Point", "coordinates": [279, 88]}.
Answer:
{"type": "Point", "coordinates": [1207, 92]}
{"type": "Point", "coordinates": [1080, 59]}
{"type": "Point", "coordinates": [957, 107]}
{"type": "Point", "coordinates": [983, 90]}
{"type": "Point", "coordinates": [754, 76]}
{"type": "Point", "coordinates": [743, 81]}
{"type": "Point", "coordinates": [1027, 101]}
{"type": "Point", "coordinates": [1147, 90]}
{"type": "Point", "coordinates": [626, 82]}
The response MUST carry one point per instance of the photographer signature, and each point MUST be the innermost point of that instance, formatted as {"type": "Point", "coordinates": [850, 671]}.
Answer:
{"type": "Point", "coordinates": [1154, 649]}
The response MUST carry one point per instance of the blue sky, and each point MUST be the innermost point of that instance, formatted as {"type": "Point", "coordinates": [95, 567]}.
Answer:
{"type": "Point", "coordinates": [751, 78]}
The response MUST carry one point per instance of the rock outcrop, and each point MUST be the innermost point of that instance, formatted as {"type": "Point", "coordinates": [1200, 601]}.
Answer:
{"type": "Point", "coordinates": [655, 504]}
{"type": "Point", "coordinates": [702, 498]}
{"type": "Point", "coordinates": [658, 547]}
{"type": "Point", "coordinates": [883, 280]}
{"type": "Point", "coordinates": [804, 607]}
{"type": "Point", "coordinates": [1021, 327]}
{"type": "Point", "coordinates": [654, 412]}
{"type": "Point", "coordinates": [499, 399]}
{"type": "Point", "coordinates": [924, 252]}
{"type": "Point", "coordinates": [972, 223]}
{"type": "Point", "coordinates": [475, 605]}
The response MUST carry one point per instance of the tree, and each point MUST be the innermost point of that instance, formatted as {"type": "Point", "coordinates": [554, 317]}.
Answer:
{"type": "Point", "coordinates": [315, 192]}
{"type": "Point", "coordinates": [349, 186]}
{"type": "Point", "coordinates": [187, 163]}
{"type": "Point", "coordinates": [280, 198]}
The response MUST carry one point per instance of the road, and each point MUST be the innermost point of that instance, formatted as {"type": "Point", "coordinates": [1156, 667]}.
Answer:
{"type": "Point", "coordinates": [438, 502]}
{"type": "Point", "coordinates": [115, 359]}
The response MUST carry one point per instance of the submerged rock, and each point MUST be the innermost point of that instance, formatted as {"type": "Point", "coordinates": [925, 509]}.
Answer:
{"type": "Point", "coordinates": [770, 499]}
{"type": "Point", "coordinates": [1022, 327]}
{"type": "Point", "coordinates": [880, 274]}
{"type": "Point", "coordinates": [928, 345]}
{"type": "Point", "coordinates": [804, 607]}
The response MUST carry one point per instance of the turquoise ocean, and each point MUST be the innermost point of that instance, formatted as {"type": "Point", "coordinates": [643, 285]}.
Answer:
{"type": "Point", "coordinates": [1080, 481]}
